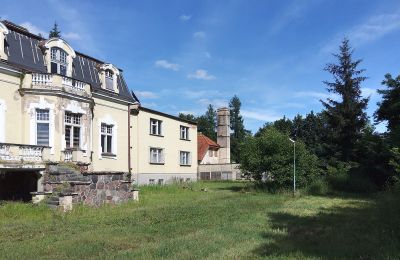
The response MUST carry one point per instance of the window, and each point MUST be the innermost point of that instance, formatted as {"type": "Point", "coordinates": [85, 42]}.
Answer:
{"type": "Point", "coordinates": [160, 181]}
{"type": "Point", "coordinates": [42, 127]}
{"type": "Point", "coordinates": [184, 132]}
{"type": "Point", "coordinates": [155, 127]}
{"type": "Point", "coordinates": [72, 130]}
{"type": "Point", "coordinates": [210, 153]}
{"type": "Point", "coordinates": [185, 158]}
{"type": "Point", "coordinates": [152, 181]}
{"type": "Point", "coordinates": [106, 138]}
{"type": "Point", "coordinates": [216, 153]}
{"type": "Point", "coordinates": [58, 59]}
{"type": "Point", "coordinates": [156, 155]}
{"type": "Point", "coordinates": [109, 80]}
{"type": "Point", "coordinates": [187, 179]}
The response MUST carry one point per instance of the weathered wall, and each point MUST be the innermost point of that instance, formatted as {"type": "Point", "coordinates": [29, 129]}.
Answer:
{"type": "Point", "coordinates": [207, 159]}
{"type": "Point", "coordinates": [115, 114]}
{"type": "Point", "coordinates": [10, 108]}
{"type": "Point", "coordinates": [143, 170]}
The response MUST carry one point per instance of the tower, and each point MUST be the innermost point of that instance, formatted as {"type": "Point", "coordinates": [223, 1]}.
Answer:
{"type": "Point", "coordinates": [223, 135]}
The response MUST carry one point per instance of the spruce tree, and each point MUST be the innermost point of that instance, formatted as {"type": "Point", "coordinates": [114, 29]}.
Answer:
{"type": "Point", "coordinates": [238, 131]}
{"type": "Point", "coordinates": [207, 123]}
{"type": "Point", "coordinates": [55, 33]}
{"type": "Point", "coordinates": [389, 108]}
{"type": "Point", "coordinates": [346, 117]}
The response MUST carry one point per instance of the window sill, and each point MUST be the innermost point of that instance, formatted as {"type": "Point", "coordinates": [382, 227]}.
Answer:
{"type": "Point", "coordinates": [109, 155]}
{"type": "Point", "coordinates": [156, 135]}
{"type": "Point", "coordinates": [185, 165]}
{"type": "Point", "coordinates": [154, 163]}
{"type": "Point", "coordinates": [185, 139]}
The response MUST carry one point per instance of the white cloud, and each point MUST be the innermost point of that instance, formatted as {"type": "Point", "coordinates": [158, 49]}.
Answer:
{"type": "Point", "coordinates": [293, 12]}
{"type": "Point", "coordinates": [146, 94]}
{"type": "Point", "coordinates": [216, 102]}
{"type": "Point", "coordinates": [260, 115]}
{"type": "Point", "coordinates": [313, 94]}
{"type": "Point", "coordinates": [372, 29]}
{"type": "Point", "coordinates": [185, 17]}
{"type": "Point", "coordinates": [167, 65]}
{"type": "Point", "coordinates": [208, 55]}
{"type": "Point", "coordinates": [33, 29]}
{"type": "Point", "coordinates": [199, 35]}
{"type": "Point", "coordinates": [366, 92]}
{"type": "Point", "coordinates": [195, 94]}
{"type": "Point", "coordinates": [71, 36]}
{"type": "Point", "coordinates": [201, 74]}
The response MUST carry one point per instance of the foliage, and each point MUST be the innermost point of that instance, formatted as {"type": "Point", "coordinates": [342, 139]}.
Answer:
{"type": "Point", "coordinates": [238, 130]}
{"type": "Point", "coordinates": [318, 187]}
{"type": "Point", "coordinates": [55, 32]}
{"type": "Point", "coordinates": [345, 117]}
{"type": "Point", "coordinates": [189, 117]}
{"type": "Point", "coordinates": [271, 153]}
{"type": "Point", "coordinates": [207, 123]}
{"type": "Point", "coordinates": [389, 108]}
{"type": "Point", "coordinates": [395, 163]}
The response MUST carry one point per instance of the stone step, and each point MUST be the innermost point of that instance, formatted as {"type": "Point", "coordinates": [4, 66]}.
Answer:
{"type": "Point", "coordinates": [53, 203]}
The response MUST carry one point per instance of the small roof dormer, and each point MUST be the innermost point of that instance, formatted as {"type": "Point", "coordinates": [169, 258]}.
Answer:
{"type": "Point", "coordinates": [59, 56]}
{"type": "Point", "coordinates": [109, 77]}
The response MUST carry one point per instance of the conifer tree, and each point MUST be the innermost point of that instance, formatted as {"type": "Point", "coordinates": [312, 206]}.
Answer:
{"type": "Point", "coordinates": [237, 127]}
{"type": "Point", "coordinates": [389, 108]}
{"type": "Point", "coordinates": [55, 33]}
{"type": "Point", "coordinates": [346, 117]}
{"type": "Point", "coordinates": [207, 123]}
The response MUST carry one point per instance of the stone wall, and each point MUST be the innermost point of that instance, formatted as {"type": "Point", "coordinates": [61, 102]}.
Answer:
{"type": "Point", "coordinates": [226, 171]}
{"type": "Point", "coordinates": [94, 188]}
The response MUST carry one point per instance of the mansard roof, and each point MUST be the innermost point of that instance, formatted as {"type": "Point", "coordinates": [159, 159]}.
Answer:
{"type": "Point", "coordinates": [24, 52]}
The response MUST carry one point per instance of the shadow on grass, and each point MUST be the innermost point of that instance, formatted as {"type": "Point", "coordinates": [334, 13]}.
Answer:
{"type": "Point", "coordinates": [368, 229]}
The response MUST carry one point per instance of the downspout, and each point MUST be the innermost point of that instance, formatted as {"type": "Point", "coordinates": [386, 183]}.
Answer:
{"type": "Point", "coordinates": [129, 142]}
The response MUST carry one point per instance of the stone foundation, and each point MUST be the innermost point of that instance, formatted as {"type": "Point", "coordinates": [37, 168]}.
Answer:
{"type": "Point", "coordinates": [66, 182]}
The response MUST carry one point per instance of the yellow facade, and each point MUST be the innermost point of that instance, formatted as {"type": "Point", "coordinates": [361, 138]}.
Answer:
{"type": "Point", "coordinates": [105, 141]}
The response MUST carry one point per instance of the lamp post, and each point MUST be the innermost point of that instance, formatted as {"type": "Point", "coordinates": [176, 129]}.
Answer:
{"type": "Point", "coordinates": [294, 165]}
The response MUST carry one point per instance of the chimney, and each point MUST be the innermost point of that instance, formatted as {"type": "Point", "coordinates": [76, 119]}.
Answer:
{"type": "Point", "coordinates": [223, 135]}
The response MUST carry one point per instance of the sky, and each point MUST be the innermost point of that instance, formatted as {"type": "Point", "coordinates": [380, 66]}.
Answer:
{"type": "Point", "coordinates": [180, 56]}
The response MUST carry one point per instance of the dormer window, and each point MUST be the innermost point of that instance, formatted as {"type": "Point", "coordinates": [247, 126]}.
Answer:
{"type": "Point", "coordinates": [58, 59]}
{"type": "Point", "coordinates": [109, 80]}
{"type": "Point", "coordinates": [109, 77]}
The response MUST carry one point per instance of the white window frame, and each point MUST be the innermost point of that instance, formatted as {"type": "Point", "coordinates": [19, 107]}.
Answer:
{"type": "Point", "coordinates": [108, 120]}
{"type": "Point", "coordinates": [59, 57]}
{"type": "Point", "coordinates": [159, 152]}
{"type": "Point", "coordinates": [158, 126]}
{"type": "Point", "coordinates": [184, 132]}
{"type": "Point", "coordinates": [74, 121]}
{"type": "Point", "coordinates": [109, 74]}
{"type": "Point", "coordinates": [185, 158]}
{"type": "Point", "coordinates": [107, 130]}
{"type": "Point", "coordinates": [42, 121]}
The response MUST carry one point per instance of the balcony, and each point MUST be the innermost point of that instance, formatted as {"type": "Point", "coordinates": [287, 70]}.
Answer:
{"type": "Point", "coordinates": [23, 156]}
{"type": "Point", "coordinates": [76, 156]}
{"type": "Point", "coordinates": [58, 82]}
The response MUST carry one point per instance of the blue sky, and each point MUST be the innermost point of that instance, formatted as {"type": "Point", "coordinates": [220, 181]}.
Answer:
{"type": "Point", "coordinates": [180, 56]}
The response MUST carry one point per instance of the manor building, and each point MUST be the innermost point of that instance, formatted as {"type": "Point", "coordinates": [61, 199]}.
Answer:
{"type": "Point", "coordinates": [61, 107]}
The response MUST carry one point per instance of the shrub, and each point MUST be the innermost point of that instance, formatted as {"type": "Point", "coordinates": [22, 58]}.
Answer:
{"type": "Point", "coordinates": [318, 187]}
{"type": "Point", "coordinates": [271, 152]}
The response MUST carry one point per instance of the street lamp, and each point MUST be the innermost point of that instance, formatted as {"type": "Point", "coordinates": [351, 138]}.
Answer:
{"type": "Point", "coordinates": [294, 165]}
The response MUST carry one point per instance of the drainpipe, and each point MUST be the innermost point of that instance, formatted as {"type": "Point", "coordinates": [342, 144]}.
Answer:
{"type": "Point", "coordinates": [129, 141]}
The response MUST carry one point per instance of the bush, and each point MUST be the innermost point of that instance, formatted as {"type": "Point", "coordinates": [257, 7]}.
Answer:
{"type": "Point", "coordinates": [318, 187]}
{"type": "Point", "coordinates": [351, 182]}
{"type": "Point", "coordinates": [271, 152]}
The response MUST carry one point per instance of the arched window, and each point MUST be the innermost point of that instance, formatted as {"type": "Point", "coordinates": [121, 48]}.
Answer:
{"type": "Point", "coordinates": [109, 80]}
{"type": "Point", "coordinates": [58, 59]}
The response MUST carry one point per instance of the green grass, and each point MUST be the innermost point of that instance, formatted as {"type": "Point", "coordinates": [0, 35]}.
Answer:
{"type": "Point", "coordinates": [228, 221]}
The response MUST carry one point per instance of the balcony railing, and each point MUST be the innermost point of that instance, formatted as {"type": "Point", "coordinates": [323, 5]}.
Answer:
{"type": "Point", "coordinates": [22, 153]}
{"type": "Point", "coordinates": [75, 84]}
{"type": "Point", "coordinates": [57, 81]}
{"type": "Point", "coordinates": [42, 79]}
{"type": "Point", "coordinates": [75, 155]}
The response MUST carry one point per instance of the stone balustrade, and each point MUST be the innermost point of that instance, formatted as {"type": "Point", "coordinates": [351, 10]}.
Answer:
{"type": "Point", "coordinates": [23, 153]}
{"type": "Point", "coordinates": [55, 81]}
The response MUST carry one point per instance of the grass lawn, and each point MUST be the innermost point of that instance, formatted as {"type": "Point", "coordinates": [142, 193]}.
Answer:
{"type": "Point", "coordinates": [228, 221]}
